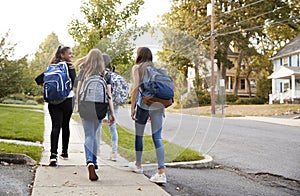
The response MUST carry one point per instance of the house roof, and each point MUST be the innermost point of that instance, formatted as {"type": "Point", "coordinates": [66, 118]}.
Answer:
{"type": "Point", "coordinates": [290, 48]}
{"type": "Point", "coordinates": [285, 73]}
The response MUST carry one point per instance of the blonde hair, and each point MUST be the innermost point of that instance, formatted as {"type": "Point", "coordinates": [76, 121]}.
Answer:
{"type": "Point", "coordinates": [94, 64]}
{"type": "Point", "coordinates": [79, 62]}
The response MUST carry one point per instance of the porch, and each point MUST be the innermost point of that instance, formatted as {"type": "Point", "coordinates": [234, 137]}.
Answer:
{"type": "Point", "coordinates": [285, 85]}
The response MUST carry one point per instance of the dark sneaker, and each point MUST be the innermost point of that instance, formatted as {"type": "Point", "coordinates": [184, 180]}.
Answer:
{"type": "Point", "coordinates": [64, 156]}
{"type": "Point", "coordinates": [53, 160]}
{"type": "Point", "coordinates": [96, 167]}
{"type": "Point", "coordinates": [92, 173]}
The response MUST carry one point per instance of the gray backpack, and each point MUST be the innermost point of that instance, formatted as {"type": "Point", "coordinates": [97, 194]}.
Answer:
{"type": "Point", "coordinates": [93, 98]}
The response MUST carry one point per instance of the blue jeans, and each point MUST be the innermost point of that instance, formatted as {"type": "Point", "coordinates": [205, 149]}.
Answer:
{"type": "Point", "coordinates": [156, 117]}
{"type": "Point", "coordinates": [92, 130]}
{"type": "Point", "coordinates": [113, 130]}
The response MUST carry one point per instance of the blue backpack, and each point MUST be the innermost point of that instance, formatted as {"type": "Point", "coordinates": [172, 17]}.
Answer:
{"type": "Point", "coordinates": [157, 87]}
{"type": "Point", "coordinates": [57, 83]}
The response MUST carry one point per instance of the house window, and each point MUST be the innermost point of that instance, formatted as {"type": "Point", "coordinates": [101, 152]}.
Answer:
{"type": "Point", "coordinates": [285, 61]}
{"type": "Point", "coordinates": [286, 86]}
{"type": "Point", "coordinates": [243, 86]}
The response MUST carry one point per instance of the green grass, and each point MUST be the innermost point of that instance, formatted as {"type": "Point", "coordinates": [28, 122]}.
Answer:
{"type": "Point", "coordinates": [33, 151]}
{"type": "Point", "coordinates": [173, 152]}
{"type": "Point", "coordinates": [30, 107]}
{"type": "Point", "coordinates": [21, 123]}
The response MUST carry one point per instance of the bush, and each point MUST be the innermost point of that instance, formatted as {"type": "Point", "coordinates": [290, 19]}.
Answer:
{"type": "Point", "coordinates": [39, 99]}
{"type": "Point", "coordinates": [191, 100]}
{"type": "Point", "coordinates": [248, 101]}
{"type": "Point", "coordinates": [19, 96]}
{"type": "Point", "coordinates": [204, 99]}
{"type": "Point", "coordinates": [231, 98]}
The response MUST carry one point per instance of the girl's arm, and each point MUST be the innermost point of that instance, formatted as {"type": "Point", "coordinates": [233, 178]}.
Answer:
{"type": "Point", "coordinates": [111, 105]}
{"type": "Point", "coordinates": [135, 90]}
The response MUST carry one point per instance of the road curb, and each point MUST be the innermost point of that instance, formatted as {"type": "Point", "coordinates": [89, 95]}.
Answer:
{"type": "Point", "coordinates": [207, 162]}
{"type": "Point", "coordinates": [17, 159]}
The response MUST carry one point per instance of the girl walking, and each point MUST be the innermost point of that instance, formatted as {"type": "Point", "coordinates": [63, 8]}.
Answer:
{"type": "Point", "coordinates": [60, 112]}
{"type": "Point", "coordinates": [92, 110]}
{"type": "Point", "coordinates": [140, 113]}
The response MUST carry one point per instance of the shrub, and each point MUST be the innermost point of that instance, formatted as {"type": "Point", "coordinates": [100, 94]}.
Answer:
{"type": "Point", "coordinates": [39, 99]}
{"type": "Point", "coordinates": [18, 96]}
{"type": "Point", "coordinates": [191, 100]}
{"type": "Point", "coordinates": [248, 101]}
{"type": "Point", "coordinates": [204, 99]}
{"type": "Point", "coordinates": [231, 98]}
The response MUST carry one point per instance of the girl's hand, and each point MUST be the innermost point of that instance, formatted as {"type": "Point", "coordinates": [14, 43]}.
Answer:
{"type": "Point", "coordinates": [133, 114]}
{"type": "Point", "coordinates": [111, 119]}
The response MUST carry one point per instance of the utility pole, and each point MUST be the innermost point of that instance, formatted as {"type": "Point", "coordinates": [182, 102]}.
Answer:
{"type": "Point", "coordinates": [212, 57]}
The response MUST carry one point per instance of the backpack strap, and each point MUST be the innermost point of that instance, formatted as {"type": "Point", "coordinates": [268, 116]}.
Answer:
{"type": "Point", "coordinates": [142, 69]}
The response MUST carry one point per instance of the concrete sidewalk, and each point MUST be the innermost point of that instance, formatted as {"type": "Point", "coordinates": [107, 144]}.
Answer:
{"type": "Point", "coordinates": [71, 176]}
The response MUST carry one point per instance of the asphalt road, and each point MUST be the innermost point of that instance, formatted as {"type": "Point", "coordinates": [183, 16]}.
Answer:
{"type": "Point", "coordinates": [16, 180]}
{"type": "Point", "coordinates": [255, 158]}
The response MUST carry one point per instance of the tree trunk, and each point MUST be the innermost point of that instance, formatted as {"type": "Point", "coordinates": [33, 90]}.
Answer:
{"type": "Point", "coordinates": [249, 86]}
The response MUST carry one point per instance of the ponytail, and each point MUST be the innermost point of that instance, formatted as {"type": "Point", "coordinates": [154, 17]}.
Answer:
{"type": "Point", "coordinates": [57, 55]}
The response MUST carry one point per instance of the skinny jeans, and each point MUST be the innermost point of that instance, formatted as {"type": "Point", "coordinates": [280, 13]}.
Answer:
{"type": "Point", "coordinates": [156, 117]}
{"type": "Point", "coordinates": [92, 131]}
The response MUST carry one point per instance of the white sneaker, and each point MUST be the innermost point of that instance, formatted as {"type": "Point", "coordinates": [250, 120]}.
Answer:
{"type": "Point", "coordinates": [113, 156]}
{"type": "Point", "coordinates": [132, 166]}
{"type": "Point", "coordinates": [159, 178]}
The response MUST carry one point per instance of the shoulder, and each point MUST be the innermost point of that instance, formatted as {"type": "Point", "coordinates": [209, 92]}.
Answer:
{"type": "Point", "coordinates": [135, 68]}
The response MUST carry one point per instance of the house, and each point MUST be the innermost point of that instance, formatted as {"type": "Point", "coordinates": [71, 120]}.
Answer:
{"type": "Point", "coordinates": [243, 88]}
{"type": "Point", "coordinates": [286, 75]}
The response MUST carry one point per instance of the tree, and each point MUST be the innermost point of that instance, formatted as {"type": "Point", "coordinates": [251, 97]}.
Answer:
{"type": "Point", "coordinates": [107, 25]}
{"type": "Point", "coordinates": [40, 61]}
{"type": "Point", "coordinates": [12, 71]}
{"type": "Point", "coordinates": [258, 24]}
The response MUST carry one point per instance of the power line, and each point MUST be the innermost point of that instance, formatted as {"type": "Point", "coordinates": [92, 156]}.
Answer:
{"type": "Point", "coordinates": [237, 23]}
{"type": "Point", "coordinates": [241, 7]}
{"type": "Point", "coordinates": [256, 27]}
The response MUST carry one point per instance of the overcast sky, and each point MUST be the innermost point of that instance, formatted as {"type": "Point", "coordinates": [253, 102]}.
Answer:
{"type": "Point", "coordinates": [31, 21]}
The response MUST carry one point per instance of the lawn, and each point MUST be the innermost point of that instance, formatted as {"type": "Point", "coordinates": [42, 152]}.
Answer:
{"type": "Point", "coordinates": [22, 122]}
{"type": "Point", "coordinates": [34, 152]}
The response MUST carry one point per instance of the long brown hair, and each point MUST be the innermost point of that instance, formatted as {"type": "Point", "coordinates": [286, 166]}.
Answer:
{"type": "Point", "coordinates": [144, 58]}
{"type": "Point", "coordinates": [94, 64]}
